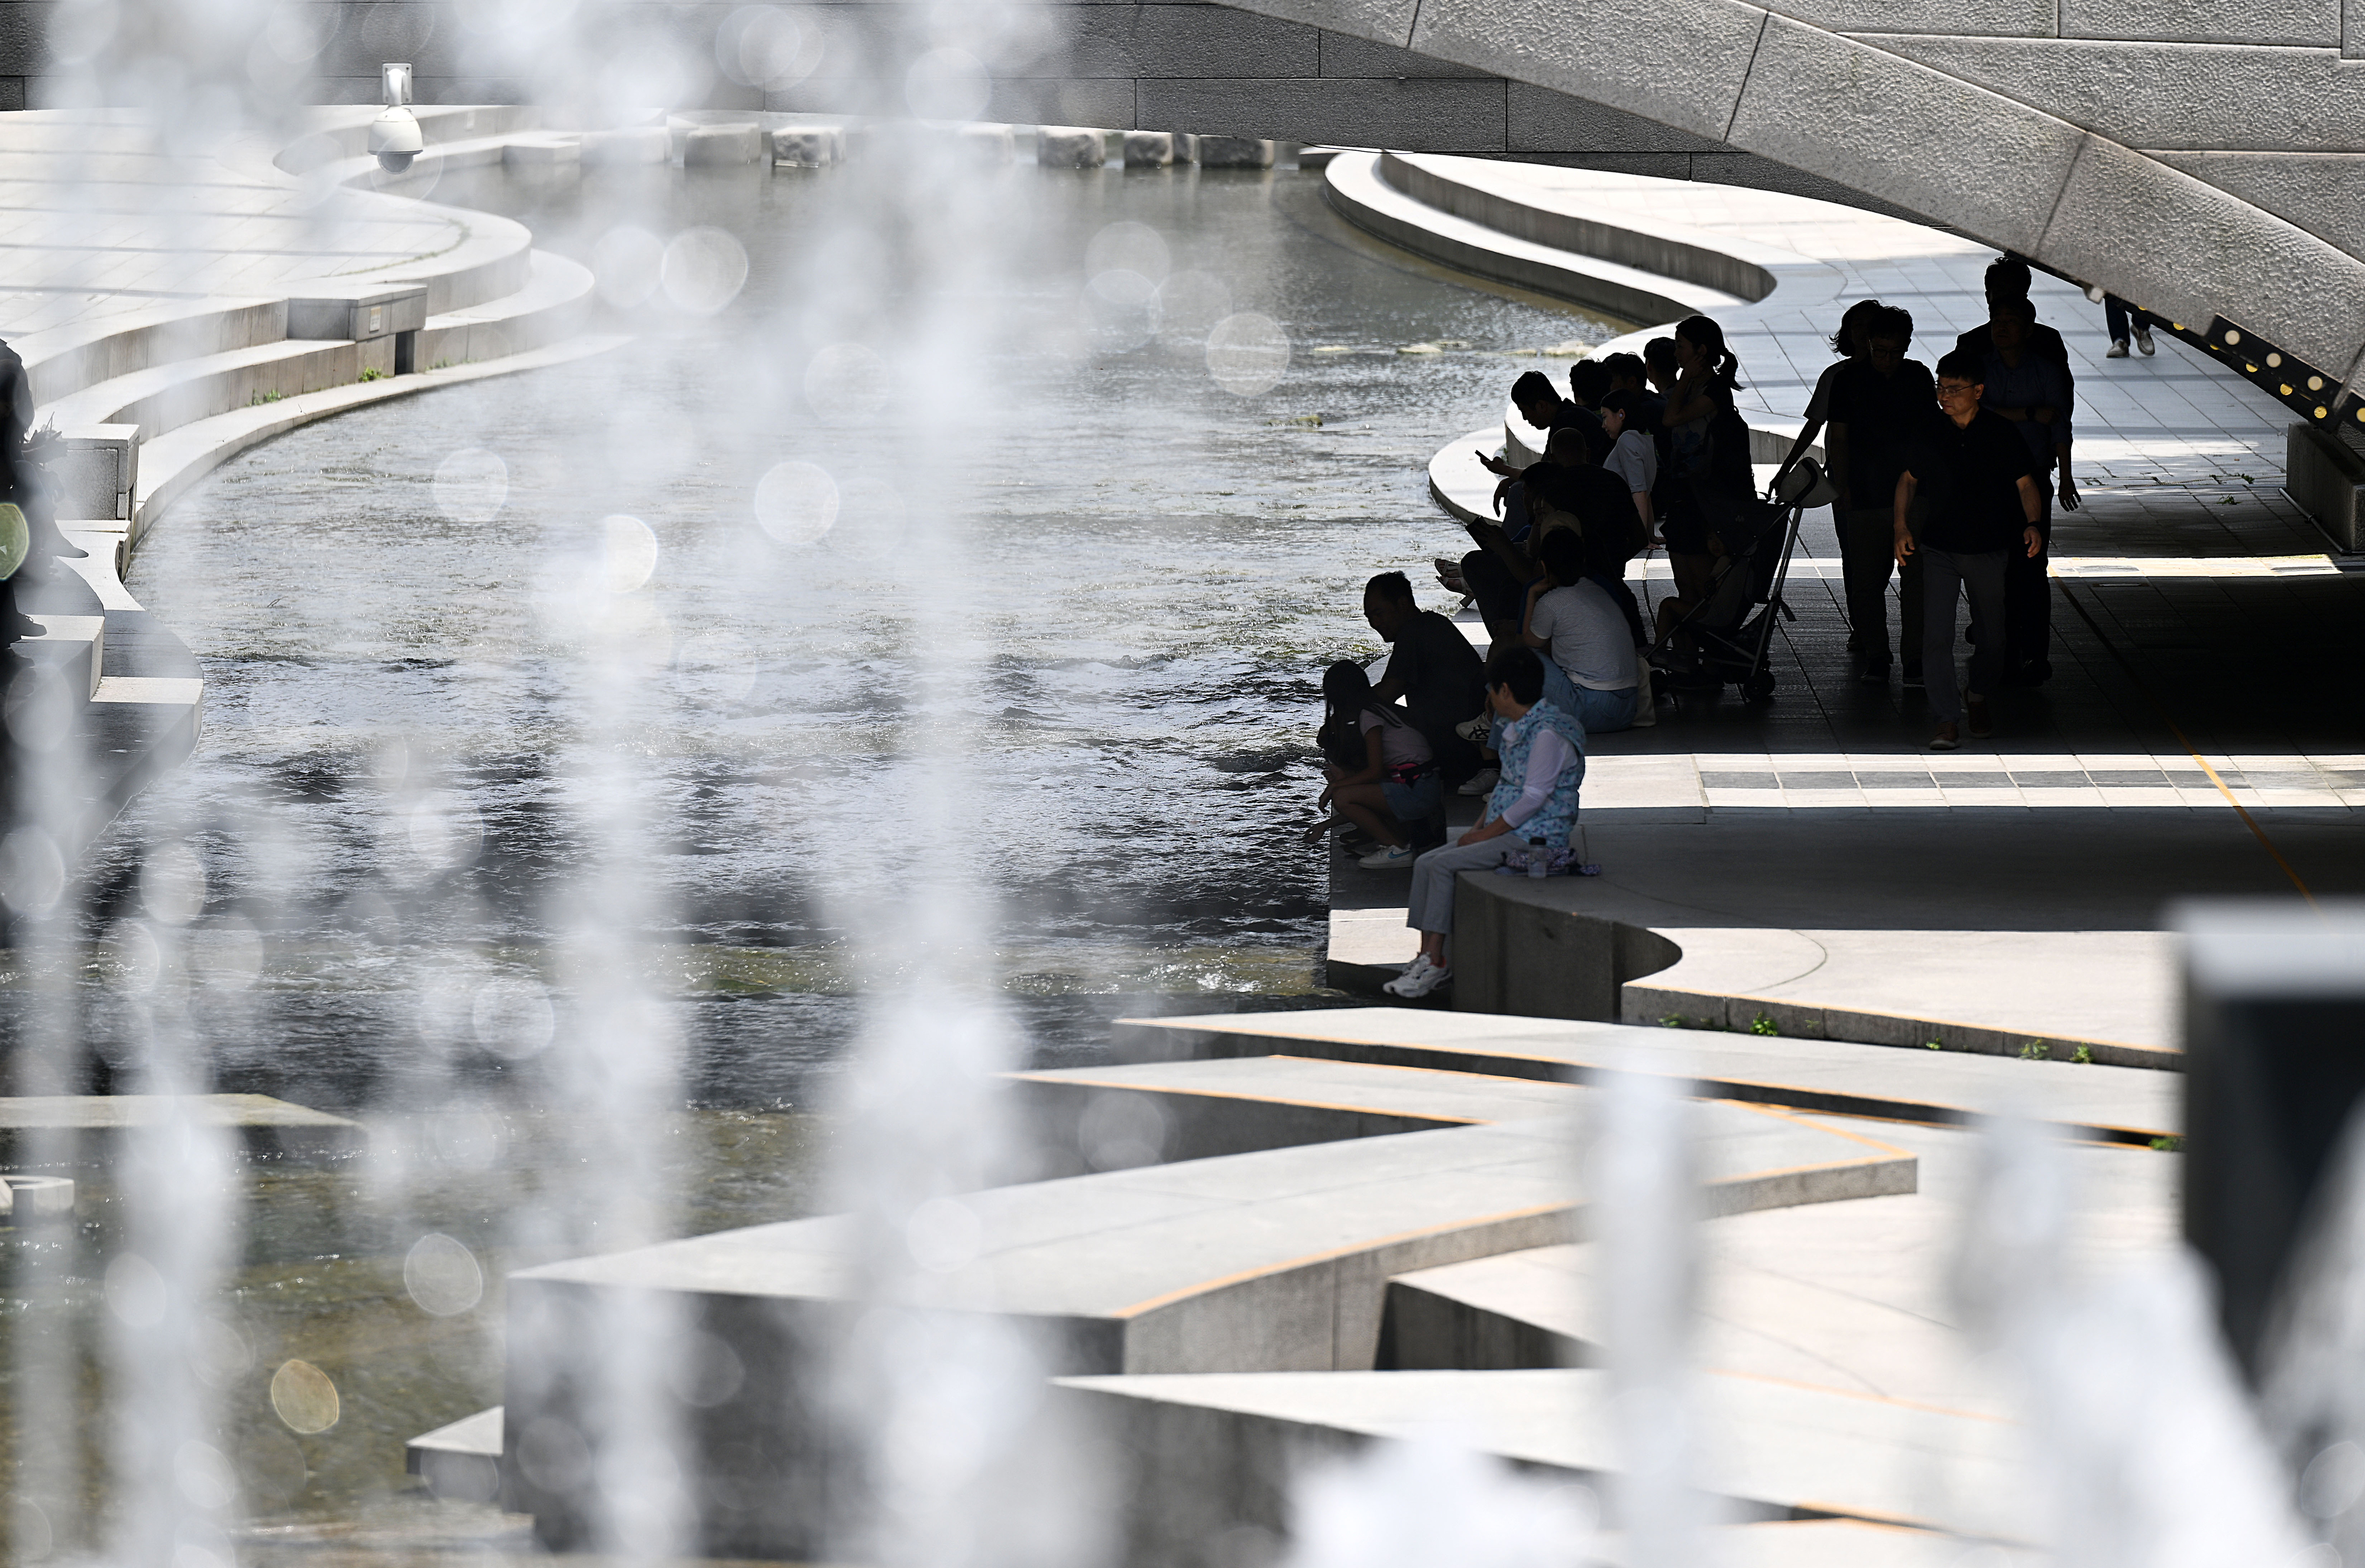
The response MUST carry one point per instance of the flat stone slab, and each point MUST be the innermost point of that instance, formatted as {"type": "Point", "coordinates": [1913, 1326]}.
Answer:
{"type": "Point", "coordinates": [1855, 1297]}
{"type": "Point", "coordinates": [1770, 1447]}
{"type": "Point", "coordinates": [1275, 1259]}
{"type": "Point", "coordinates": [2113, 1104]}
{"type": "Point", "coordinates": [268, 1126]}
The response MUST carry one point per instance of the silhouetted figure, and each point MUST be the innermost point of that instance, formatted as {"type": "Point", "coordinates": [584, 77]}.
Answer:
{"type": "Point", "coordinates": [2032, 392]}
{"type": "Point", "coordinates": [1880, 401]}
{"type": "Point", "coordinates": [1974, 474]}
{"type": "Point", "coordinates": [1432, 670]}
{"type": "Point", "coordinates": [2115, 313]}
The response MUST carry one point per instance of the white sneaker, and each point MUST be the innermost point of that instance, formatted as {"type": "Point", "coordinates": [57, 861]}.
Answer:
{"type": "Point", "coordinates": [2118, 349]}
{"type": "Point", "coordinates": [2142, 339]}
{"type": "Point", "coordinates": [1389, 856]}
{"type": "Point", "coordinates": [1481, 782]}
{"type": "Point", "coordinates": [1646, 702]}
{"type": "Point", "coordinates": [1420, 977]}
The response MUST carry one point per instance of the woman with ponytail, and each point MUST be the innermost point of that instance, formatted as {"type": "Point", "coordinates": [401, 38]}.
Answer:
{"type": "Point", "coordinates": [1710, 444]}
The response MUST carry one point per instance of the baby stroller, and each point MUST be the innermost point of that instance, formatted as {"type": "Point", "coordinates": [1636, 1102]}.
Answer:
{"type": "Point", "coordinates": [1730, 630]}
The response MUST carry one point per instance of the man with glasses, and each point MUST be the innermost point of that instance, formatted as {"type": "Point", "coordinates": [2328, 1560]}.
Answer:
{"type": "Point", "coordinates": [1977, 485]}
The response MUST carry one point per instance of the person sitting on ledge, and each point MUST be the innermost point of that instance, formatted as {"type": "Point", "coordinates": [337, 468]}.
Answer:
{"type": "Point", "coordinates": [1432, 667]}
{"type": "Point", "coordinates": [1629, 373]}
{"type": "Point", "coordinates": [1572, 617]}
{"type": "Point", "coordinates": [1546, 410]}
{"type": "Point", "coordinates": [1381, 773]}
{"type": "Point", "coordinates": [1588, 383]}
{"type": "Point", "coordinates": [1563, 491]}
{"type": "Point", "coordinates": [1543, 768]}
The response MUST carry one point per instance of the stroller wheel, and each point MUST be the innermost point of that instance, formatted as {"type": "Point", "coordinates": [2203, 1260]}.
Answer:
{"type": "Point", "coordinates": [1760, 686]}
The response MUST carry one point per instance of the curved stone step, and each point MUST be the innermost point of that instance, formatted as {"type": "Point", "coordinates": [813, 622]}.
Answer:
{"type": "Point", "coordinates": [555, 304]}
{"type": "Point", "coordinates": [167, 397]}
{"type": "Point", "coordinates": [172, 464]}
{"type": "Point", "coordinates": [1358, 193]}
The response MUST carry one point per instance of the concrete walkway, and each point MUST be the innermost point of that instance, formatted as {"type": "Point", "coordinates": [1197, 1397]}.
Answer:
{"type": "Point", "coordinates": [1818, 865]}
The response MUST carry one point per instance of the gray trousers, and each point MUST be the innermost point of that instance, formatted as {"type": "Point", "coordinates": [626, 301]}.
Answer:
{"type": "Point", "coordinates": [1944, 578]}
{"type": "Point", "coordinates": [1433, 875]}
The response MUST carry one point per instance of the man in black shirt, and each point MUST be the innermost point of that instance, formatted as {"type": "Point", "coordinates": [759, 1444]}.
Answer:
{"type": "Point", "coordinates": [1879, 402]}
{"type": "Point", "coordinates": [1431, 667]}
{"type": "Point", "coordinates": [1973, 475]}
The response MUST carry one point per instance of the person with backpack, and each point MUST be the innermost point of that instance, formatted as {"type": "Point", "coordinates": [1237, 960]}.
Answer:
{"type": "Point", "coordinates": [1379, 771]}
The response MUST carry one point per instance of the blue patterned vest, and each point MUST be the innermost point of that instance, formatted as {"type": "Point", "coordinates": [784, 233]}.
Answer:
{"type": "Point", "coordinates": [1557, 815]}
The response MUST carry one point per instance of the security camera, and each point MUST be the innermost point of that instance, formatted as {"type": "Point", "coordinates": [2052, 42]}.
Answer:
{"type": "Point", "coordinates": [394, 136]}
{"type": "Point", "coordinates": [395, 140]}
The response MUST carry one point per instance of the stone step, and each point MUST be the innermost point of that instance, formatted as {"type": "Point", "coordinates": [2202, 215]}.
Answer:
{"type": "Point", "coordinates": [1106, 1118]}
{"type": "Point", "coordinates": [164, 397]}
{"type": "Point", "coordinates": [61, 1129]}
{"type": "Point", "coordinates": [2116, 1104]}
{"type": "Point", "coordinates": [1198, 1456]}
{"type": "Point", "coordinates": [62, 361]}
{"type": "Point", "coordinates": [1277, 1258]}
{"type": "Point", "coordinates": [535, 326]}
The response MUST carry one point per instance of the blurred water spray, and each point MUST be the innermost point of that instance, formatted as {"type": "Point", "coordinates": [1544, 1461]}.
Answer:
{"type": "Point", "coordinates": [2140, 1442]}
{"type": "Point", "coordinates": [1643, 1189]}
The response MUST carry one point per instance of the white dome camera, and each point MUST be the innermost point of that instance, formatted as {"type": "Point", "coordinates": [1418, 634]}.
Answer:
{"type": "Point", "coordinates": [394, 136]}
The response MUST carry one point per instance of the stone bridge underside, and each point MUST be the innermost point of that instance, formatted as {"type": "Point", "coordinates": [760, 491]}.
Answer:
{"type": "Point", "coordinates": [2205, 158]}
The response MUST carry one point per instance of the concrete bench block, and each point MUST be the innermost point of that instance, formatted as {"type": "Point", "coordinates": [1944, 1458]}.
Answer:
{"type": "Point", "coordinates": [639, 144]}
{"type": "Point", "coordinates": [809, 146]}
{"type": "Point", "coordinates": [1069, 146]}
{"type": "Point", "coordinates": [1236, 153]}
{"type": "Point", "coordinates": [724, 146]}
{"type": "Point", "coordinates": [96, 473]}
{"type": "Point", "coordinates": [543, 153]}
{"type": "Point", "coordinates": [1150, 149]}
{"type": "Point", "coordinates": [2325, 475]}
{"type": "Point", "coordinates": [988, 143]}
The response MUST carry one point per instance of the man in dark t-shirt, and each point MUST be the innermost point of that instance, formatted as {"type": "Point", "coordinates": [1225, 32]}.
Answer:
{"type": "Point", "coordinates": [1974, 478]}
{"type": "Point", "coordinates": [1880, 401]}
{"type": "Point", "coordinates": [1431, 667]}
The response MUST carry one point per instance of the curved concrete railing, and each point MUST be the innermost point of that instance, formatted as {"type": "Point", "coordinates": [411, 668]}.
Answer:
{"type": "Point", "coordinates": [1662, 251]}
{"type": "Point", "coordinates": [1358, 193]}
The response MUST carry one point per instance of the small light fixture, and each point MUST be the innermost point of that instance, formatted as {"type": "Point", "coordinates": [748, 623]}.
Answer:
{"type": "Point", "coordinates": [2232, 336]}
{"type": "Point", "coordinates": [2316, 383]}
{"type": "Point", "coordinates": [2287, 388]}
{"type": "Point", "coordinates": [2274, 360]}
{"type": "Point", "coordinates": [2319, 411]}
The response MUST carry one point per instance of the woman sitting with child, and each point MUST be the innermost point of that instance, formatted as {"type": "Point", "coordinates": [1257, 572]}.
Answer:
{"type": "Point", "coordinates": [1381, 773]}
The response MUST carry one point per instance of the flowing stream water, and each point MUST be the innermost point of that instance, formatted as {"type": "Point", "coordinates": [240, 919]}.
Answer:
{"type": "Point", "coordinates": [1167, 566]}
{"type": "Point", "coordinates": [363, 892]}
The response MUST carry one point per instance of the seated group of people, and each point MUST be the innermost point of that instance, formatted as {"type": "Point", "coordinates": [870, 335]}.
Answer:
{"type": "Point", "coordinates": [1642, 451]}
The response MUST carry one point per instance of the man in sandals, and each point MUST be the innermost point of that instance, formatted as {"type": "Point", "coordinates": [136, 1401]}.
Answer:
{"type": "Point", "coordinates": [1977, 485]}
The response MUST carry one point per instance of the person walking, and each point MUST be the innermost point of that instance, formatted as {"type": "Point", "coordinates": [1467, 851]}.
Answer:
{"type": "Point", "coordinates": [1975, 477]}
{"type": "Point", "coordinates": [2119, 317]}
{"type": "Point", "coordinates": [1880, 404]}
{"type": "Point", "coordinates": [1847, 344]}
{"type": "Point", "coordinates": [2032, 393]}
{"type": "Point", "coordinates": [1543, 768]}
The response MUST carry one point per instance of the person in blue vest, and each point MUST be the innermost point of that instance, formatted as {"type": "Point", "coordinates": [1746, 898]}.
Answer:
{"type": "Point", "coordinates": [1542, 750]}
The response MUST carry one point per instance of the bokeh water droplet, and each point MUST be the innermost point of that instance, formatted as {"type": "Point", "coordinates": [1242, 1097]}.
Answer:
{"type": "Point", "coordinates": [1247, 353]}
{"type": "Point", "coordinates": [796, 503]}
{"type": "Point", "coordinates": [703, 270]}
{"type": "Point", "coordinates": [472, 485]}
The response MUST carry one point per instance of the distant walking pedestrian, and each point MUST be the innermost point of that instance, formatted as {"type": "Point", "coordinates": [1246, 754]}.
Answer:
{"type": "Point", "coordinates": [2032, 392]}
{"type": "Point", "coordinates": [1974, 474]}
{"type": "Point", "coordinates": [2119, 317]}
{"type": "Point", "coordinates": [1880, 403]}
{"type": "Point", "coordinates": [1849, 344]}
